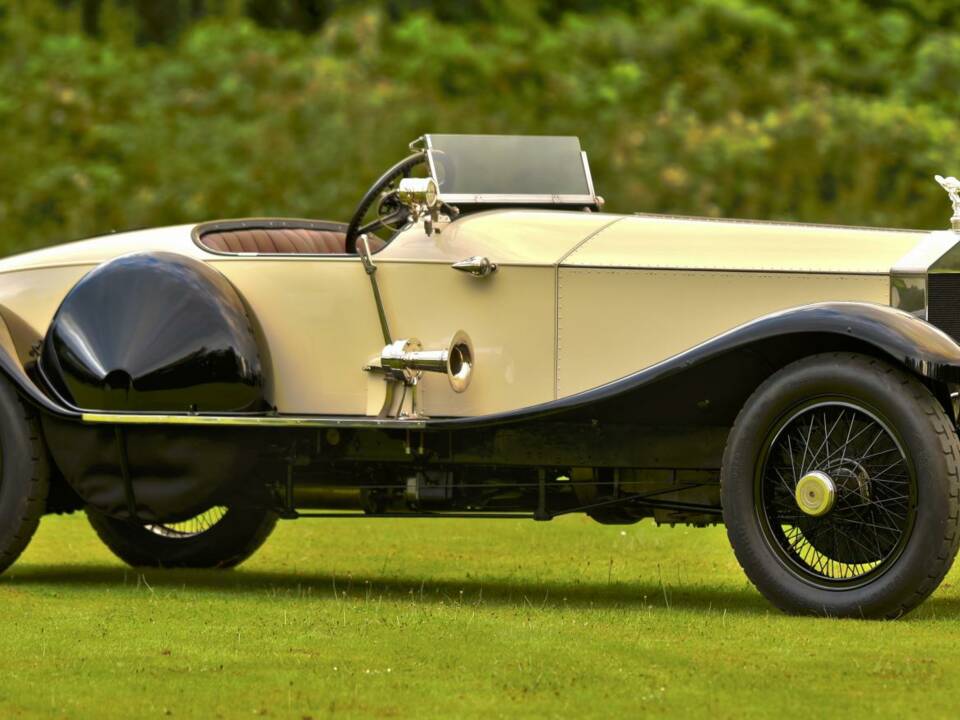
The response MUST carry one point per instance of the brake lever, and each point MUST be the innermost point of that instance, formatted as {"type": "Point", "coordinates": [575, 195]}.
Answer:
{"type": "Point", "coordinates": [363, 246]}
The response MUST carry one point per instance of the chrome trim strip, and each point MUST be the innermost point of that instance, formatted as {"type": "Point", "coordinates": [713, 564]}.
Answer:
{"type": "Point", "coordinates": [286, 421]}
{"type": "Point", "coordinates": [509, 199]}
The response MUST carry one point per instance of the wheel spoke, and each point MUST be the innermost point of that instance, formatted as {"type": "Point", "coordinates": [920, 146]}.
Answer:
{"type": "Point", "coordinates": [806, 446]}
{"type": "Point", "coordinates": [847, 443]}
{"type": "Point", "coordinates": [193, 527]}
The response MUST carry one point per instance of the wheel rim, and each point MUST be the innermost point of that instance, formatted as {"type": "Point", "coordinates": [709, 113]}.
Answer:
{"type": "Point", "coordinates": [193, 527]}
{"type": "Point", "coordinates": [842, 450]}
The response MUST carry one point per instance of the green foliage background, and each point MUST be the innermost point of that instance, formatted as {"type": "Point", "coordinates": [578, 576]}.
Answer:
{"type": "Point", "coordinates": [116, 115]}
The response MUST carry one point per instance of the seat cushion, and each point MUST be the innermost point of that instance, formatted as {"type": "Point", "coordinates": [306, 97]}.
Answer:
{"type": "Point", "coordinates": [281, 240]}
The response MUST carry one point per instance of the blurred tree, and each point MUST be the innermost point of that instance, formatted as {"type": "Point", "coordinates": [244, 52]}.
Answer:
{"type": "Point", "coordinates": [778, 109]}
{"type": "Point", "coordinates": [91, 17]}
{"type": "Point", "coordinates": [157, 21]}
{"type": "Point", "coordinates": [306, 16]}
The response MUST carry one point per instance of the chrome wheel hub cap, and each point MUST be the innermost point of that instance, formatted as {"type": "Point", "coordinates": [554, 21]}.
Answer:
{"type": "Point", "coordinates": [816, 493]}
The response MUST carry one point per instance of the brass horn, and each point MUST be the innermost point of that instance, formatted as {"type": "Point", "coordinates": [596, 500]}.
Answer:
{"type": "Point", "coordinates": [409, 357]}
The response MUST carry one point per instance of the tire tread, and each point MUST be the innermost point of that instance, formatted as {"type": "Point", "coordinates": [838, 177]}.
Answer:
{"type": "Point", "coordinates": [220, 547]}
{"type": "Point", "coordinates": [38, 485]}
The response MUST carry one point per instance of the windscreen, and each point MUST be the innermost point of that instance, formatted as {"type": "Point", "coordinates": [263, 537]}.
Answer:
{"type": "Point", "coordinates": [471, 165]}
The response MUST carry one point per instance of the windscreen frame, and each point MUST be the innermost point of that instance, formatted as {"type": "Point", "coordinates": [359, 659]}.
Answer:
{"type": "Point", "coordinates": [589, 199]}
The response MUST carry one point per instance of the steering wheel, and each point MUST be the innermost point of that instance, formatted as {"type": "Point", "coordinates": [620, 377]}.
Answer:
{"type": "Point", "coordinates": [396, 213]}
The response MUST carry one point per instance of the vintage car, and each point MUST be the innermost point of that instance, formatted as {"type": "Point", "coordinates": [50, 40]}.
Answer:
{"type": "Point", "coordinates": [481, 340]}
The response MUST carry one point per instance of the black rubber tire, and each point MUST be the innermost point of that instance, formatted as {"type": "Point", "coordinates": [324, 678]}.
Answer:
{"type": "Point", "coordinates": [24, 475]}
{"type": "Point", "coordinates": [238, 535]}
{"type": "Point", "coordinates": [926, 433]}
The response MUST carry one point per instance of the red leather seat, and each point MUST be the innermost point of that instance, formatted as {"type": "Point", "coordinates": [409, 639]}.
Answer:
{"type": "Point", "coordinates": [281, 240]}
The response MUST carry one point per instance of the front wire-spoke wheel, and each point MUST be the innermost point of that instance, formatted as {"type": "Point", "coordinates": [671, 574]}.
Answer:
{"type": "Point", "coordinates": [840, 488]}
{"type": "Point", "coordinates": [836, 493]}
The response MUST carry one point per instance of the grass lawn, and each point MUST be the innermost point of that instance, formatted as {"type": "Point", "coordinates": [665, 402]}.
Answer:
{"type": "Point", "coordinates": [451, 618]}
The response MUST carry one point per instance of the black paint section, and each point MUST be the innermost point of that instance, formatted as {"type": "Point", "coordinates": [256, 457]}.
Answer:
{"type": "Point", "coordinates": [154, 332]}
{"type": "Point", "coordinates": [174, 472]}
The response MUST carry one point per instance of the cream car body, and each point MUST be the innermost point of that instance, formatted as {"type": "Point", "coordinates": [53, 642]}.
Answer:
{"type": "Point", "coordinates": [506, 350]}
{"type": "Point", "coordinates": [546, 325]}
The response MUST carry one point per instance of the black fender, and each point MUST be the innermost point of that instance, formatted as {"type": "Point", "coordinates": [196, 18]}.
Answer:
{"type": "Point", "coordinates": [708, 383]}
{"type": "Point", "coordinates": [150, 332]}
{"type": "Point", "coordinates": [27, 388]}
{"type": "Point", "coordinates": [153, 332]}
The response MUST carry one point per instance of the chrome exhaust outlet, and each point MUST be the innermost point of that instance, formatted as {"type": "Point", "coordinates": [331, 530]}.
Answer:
{"type": "Point", "coordinates": [409, 357]}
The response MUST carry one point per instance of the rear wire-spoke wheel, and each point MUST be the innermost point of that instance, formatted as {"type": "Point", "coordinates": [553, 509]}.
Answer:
{"type": "Point", "coordinates": [841, 488]}
{"type": "Point", "coordinates": [836, 494]}
{"type": "Point", "coordinates": [218, 538]}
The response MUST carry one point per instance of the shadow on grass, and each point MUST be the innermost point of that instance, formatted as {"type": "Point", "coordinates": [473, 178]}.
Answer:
{"type": "Point", "coordinates": [947, 608]}
{"type": "Point", "coordinates": [469, 591]}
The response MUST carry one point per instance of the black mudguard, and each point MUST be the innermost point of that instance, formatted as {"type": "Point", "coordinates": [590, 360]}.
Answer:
{"type": "Point", "coordinates": [153, 332]}
{"type": "Point", "coordinates": [149, 332]}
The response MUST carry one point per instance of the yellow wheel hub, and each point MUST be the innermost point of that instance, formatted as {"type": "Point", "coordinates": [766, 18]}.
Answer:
{"type": "Point", "coordinates": [816, 493]}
